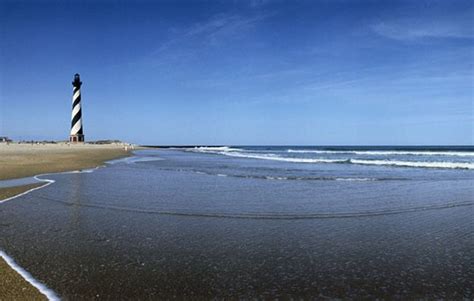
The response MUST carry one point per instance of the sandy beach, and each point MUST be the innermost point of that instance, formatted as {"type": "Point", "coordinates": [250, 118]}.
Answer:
{"type": "Point", "coordinates": [24, 160]}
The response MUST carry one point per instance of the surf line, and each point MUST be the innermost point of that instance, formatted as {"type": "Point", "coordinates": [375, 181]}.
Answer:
{"type": "Point", "coordinates": [43, 289]}
{"type": "Point", "coordinates": [47, 181]}
{"type": "Point", "coordinates": [127, 160]}
{"type": "Point", "coordinates": [27, 276]}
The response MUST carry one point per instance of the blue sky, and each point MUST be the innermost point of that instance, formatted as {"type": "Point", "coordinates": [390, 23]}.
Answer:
{"type": "Point", "coordinates": [240, 72]}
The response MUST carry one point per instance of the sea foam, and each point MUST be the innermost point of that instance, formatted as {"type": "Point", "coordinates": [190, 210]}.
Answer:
{"type": "Point", "coordinates": [383, 152]}
{"type": "Point", "coordinates": [451, 165]}
{"type": "Point", "coordinates": [235, 152]}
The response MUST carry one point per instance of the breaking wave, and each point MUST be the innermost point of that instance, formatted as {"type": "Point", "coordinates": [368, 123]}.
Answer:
{"type": "Point", "coordinates": [422, 164]}
{"type": "Point", "coordinates": [212, 149]}
{"type": "Point", "coordinates": [383, 152]}
{"type": "Point", "coordinates": [235, 152]}
{"type": "Point", "coordinates": [279, 158]}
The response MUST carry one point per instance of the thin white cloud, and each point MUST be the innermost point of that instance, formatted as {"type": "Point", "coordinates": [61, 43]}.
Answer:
{"type": "Point", "coordinates": [258, 3]}
{"type": "Point", "coordinates": [213, 30]}
{"type": "Point", "coordinates": [409, 29]}
{"type": "Point", "coordinates": [186, 41]}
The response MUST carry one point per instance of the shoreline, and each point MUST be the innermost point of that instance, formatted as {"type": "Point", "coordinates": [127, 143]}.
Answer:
{"type": "Point", "coordinates": [10, 192]}
{"type": "Point", "coordinates": [20, 160]}
{"type": "Point", "coordinates": [26, 160]}
{"type": "Point", "coordinates": [34, 287]}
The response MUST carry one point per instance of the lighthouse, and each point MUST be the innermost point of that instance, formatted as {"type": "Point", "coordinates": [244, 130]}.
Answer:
{"type": "Point", "coordinates": [77, 133]}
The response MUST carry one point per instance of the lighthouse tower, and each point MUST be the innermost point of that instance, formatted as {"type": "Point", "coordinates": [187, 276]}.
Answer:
{"type": "Point", "coordinates": [77, 134]}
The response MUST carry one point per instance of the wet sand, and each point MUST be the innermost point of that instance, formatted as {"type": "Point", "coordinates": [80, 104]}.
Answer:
{"type": "Point", "coordinates": [23, 160]}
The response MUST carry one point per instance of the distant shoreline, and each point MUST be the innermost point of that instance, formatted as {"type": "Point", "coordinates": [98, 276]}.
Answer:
{"type": "Point", "coordinates": [329, 147]}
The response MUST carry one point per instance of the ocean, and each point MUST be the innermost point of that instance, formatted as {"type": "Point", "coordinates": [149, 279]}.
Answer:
{"type": "Point", "coordinates": [253, 221]}
{"type": "Point", "coordinates": [449, 157]}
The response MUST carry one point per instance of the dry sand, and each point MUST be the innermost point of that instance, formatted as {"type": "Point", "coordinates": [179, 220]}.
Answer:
{"type": "Point", "coordinates": [24, 160]}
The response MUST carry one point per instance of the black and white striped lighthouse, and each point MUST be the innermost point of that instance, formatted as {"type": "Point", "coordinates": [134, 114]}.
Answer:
{"type": "Point", "coordinates": [77, 133]}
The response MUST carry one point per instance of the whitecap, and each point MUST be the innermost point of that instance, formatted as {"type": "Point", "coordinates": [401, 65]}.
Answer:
{"type": "Point", "coordinates": [383, 152]}
{"type": "Point", "coordinates": [420, 164]}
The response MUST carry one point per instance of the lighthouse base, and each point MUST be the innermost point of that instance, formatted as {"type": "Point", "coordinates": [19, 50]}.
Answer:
{"type": "Point", "coordinates": [76, 138]}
